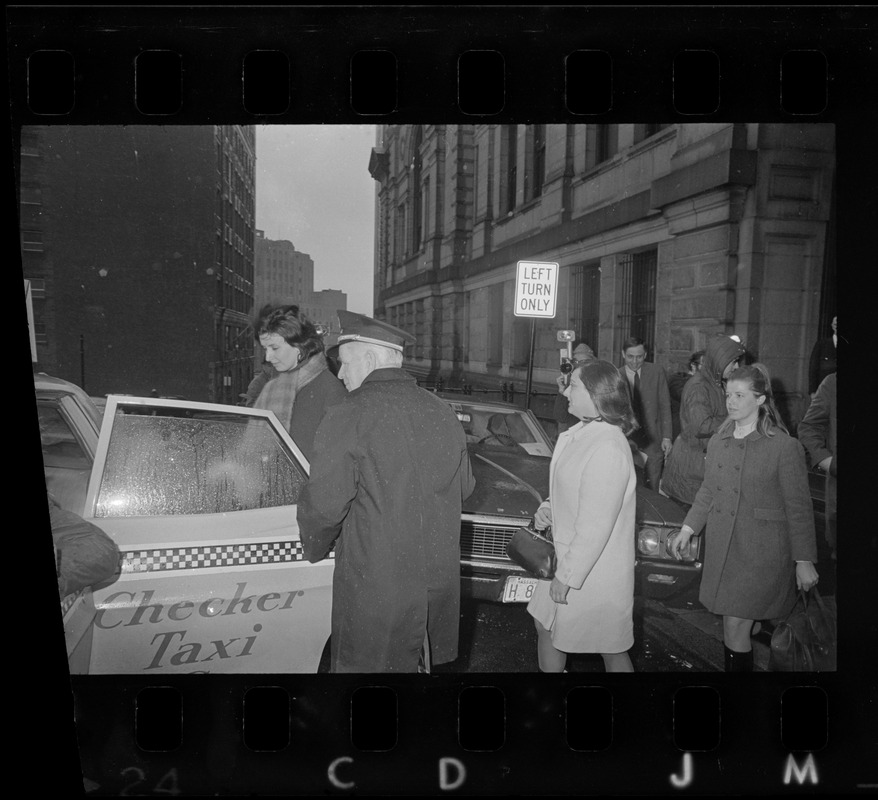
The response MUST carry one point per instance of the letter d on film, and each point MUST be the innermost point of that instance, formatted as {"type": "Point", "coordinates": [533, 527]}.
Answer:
{"type": "Point", "coordinates": [452, 774]}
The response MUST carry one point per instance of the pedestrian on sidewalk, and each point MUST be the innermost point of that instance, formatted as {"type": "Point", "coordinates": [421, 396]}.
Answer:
{"type": "Point", "coordinates": [756, 506]}
{"type": "Point", "coordinates": [818, 434]}
{"type": "Point", "coordinates": [588, 606]}
{"type": "Point", "coordinates": [702, 411]}
{"type": "Point", "coordinates": [581, 353]}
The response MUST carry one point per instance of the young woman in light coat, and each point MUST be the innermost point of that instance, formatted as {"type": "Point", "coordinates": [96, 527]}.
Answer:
{"type": "Point", "coordinates": [588, 606]}
{"type": "Point", "coordinates": [756, 506]}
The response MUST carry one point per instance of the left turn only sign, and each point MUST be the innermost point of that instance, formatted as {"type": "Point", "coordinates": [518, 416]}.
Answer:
{"type": "Point", "coordinates": [536, 289]}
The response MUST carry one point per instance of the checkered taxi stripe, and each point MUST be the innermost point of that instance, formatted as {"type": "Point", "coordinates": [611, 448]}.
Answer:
{"type": "Point", "coordinates": [236, 555]}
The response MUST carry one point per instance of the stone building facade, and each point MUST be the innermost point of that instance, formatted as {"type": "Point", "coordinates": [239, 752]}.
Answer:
{"type": "Point", "coordinates": [670, 232]}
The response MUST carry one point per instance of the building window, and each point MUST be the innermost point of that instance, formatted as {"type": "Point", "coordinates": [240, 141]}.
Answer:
{"type": "Point", "coordinates": [536, 161]}
{"type": "Point", "coordinates": [601, 144]}
{"type": "Point", "coordinates": [585, 293]}
{"type": "Point", "coordinates": [426, 206]}
{"type": "Point", "coordinates": [645, 130]}
{"type": "Point", "coordinates": [520, 341]}
{"type": "Point", "coordinates": [638, 275]}
{"type": "Point", "coordinates": [508, 175]}
{"type": "Point", "coordinates": [31, 196]}
{"type": "Point", "coordinates": [32, 241]}
{"type": "Point", "coordinates": [415, 190]}
{"type": "Point", "coordinates": [399, 235]}
{"type": "Point", "coordinates": [496, 316]}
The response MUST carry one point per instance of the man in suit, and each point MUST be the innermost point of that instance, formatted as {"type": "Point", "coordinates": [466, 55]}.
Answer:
{"type": "Point", "coordinates": [651, 401]}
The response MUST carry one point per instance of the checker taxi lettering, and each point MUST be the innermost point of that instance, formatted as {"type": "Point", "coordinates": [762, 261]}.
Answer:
{"type": "Point", "coordinates": [175, 647]}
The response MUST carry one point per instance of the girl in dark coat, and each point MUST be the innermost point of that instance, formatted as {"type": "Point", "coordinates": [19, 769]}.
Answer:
{"type": "Point", "coordinates": [757, 508]}
{"type": "Point", "coordinates": [702, 411]}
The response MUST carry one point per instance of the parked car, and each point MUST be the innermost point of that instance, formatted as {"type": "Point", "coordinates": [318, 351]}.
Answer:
{"type": "Point", "coordinates": [201, 500]}
{"type": "Point", "coordinates": [510, 454]}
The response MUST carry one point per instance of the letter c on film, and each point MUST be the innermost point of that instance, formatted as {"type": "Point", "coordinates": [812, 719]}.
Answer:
{"type": "Point", "coordinates": [334, 779]}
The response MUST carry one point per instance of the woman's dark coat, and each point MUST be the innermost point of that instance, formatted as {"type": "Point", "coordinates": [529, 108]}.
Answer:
{"type": "Point", "coordinates": [389, 475]}
{"type": "Point", "coordinates": [312, 401]}
{"type": "Point", "coordinates": [759, 520]}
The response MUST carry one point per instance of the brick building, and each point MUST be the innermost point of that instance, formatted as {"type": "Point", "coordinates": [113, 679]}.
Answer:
{"type": "Point", "coordinates": [138, 243]}
{"type": "Point", "coordinates": [671, 232]}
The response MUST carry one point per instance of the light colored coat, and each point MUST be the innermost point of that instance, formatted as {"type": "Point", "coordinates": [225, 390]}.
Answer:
{"type": "Point", "coordinates": [593, 499]}
{"type": "Point", "coordinates": [756, 506]}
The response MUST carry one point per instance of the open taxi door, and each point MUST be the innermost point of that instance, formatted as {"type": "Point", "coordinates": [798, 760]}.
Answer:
{"type": "Point", "coordinates": [201, 500]}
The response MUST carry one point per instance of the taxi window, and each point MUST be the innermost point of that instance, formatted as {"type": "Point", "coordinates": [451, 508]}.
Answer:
{"type": "Point", "coordinates": [165, 461]}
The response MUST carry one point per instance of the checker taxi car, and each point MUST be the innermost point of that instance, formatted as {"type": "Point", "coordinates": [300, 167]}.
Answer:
{"type": "Point", "coordinates": [201, 500]}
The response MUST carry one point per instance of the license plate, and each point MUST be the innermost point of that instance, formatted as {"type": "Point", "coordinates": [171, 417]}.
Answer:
{"type": "Point", "coordinates": [518, 589]}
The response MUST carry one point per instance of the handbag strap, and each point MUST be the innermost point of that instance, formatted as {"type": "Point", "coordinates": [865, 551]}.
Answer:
{"type": "Point", "coordinates": [545, 535]}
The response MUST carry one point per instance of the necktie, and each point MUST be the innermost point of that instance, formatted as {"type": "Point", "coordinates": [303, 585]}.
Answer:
{"type": "Point", "coordinates": [636, 402]}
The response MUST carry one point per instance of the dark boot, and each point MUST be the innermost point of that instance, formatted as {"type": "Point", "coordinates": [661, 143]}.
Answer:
{"type": "Point", "coordinates": [738, 662]}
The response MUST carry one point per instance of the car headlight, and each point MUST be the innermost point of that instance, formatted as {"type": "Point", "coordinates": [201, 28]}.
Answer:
{"type": "Point", "coordinates": [648, 541]}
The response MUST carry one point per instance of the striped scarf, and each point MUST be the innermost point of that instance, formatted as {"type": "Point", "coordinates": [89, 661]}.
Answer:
{"type": "Point", "coordinates": [279, 394]}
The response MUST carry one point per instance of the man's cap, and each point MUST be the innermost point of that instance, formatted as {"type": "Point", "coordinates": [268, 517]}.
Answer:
{"type": "Point", "coordinates": [360, 328]}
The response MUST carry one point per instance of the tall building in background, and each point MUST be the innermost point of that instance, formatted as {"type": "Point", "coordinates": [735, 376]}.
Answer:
{"type": "Point", "coordinates": [286, 276]}
{"type": "Point", "coordinates": [138, 242]}
{"type": "Point", "coordinates": [669, 232]}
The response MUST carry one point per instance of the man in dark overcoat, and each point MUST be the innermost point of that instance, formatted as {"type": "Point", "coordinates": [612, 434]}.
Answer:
{"type": "Point", "coordinates": [818, 433]}
{"type": "Point", "coordinates": [388, 478]}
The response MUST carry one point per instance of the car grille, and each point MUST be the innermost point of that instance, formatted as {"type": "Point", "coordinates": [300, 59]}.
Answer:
{"type": "Point", "coordinates": [479, 539]}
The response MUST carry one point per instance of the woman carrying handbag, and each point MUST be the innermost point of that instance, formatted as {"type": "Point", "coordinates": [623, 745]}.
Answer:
{"type": "Point", "coordinates": [587, 607]}
{"type": "Point", "coordinates": [756, 507]}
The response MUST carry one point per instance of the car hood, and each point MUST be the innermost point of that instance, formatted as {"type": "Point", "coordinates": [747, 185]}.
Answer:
{"type": "Point", "coordinates": [514, 484]}
{"type": "Point", "coordinates": [507, 483]}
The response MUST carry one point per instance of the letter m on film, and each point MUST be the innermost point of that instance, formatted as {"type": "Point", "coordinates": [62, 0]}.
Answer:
{"type": "Point", "coordinates": [807, 771]}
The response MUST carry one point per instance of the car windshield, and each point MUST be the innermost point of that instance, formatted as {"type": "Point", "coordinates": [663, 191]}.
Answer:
{"type": "Point", "coordinates": [495, 427]}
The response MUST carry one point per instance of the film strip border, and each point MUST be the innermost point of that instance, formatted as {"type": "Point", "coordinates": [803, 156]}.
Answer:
{"type": "Point", "coordinates": [211, 556]}
{"type": "Point", "coordinates": [341, 64]}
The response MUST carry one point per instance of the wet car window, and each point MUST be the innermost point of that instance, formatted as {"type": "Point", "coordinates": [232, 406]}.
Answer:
{"type": "Point", "coordinates": [163, 461]}
{"type": "Point", "coordinates": [66, 464]}
{"type": "Point", "coordinates": [60, 447]}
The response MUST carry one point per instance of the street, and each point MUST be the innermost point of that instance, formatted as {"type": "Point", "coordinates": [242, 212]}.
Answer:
{"type": "Point", "coordinates": [673, 635]}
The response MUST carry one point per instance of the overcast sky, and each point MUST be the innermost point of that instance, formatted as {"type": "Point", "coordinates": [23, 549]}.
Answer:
{"type": "Point", "coordinates": [313, 188]}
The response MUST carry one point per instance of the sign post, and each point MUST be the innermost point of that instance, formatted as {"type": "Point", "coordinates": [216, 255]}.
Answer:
{"type": "Point", "coordinates": [536, 294]}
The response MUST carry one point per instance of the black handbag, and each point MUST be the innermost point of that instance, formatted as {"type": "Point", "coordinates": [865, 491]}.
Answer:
{"type": "Point", "coordinates": [533, 550]}
{"type": "Point", "coordinates": [806, 640]}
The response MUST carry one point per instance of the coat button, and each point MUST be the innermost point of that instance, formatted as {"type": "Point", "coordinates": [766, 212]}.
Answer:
{"type": "Point", "coordinates": [733, 513]}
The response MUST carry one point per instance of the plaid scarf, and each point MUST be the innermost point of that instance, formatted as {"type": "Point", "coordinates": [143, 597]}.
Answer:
{"type": "Point", "coordinates": [279, 394]}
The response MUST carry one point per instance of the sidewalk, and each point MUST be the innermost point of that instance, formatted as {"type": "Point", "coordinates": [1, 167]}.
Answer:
{"type": "Point", "coordinates": [712, 625]}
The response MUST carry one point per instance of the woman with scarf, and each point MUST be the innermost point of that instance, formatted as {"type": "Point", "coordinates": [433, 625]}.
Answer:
{"type": "Point", "coordinates": [301, 387]}
{"type": "Point", "coordinates": [702, 411]}
{"type": "Point", "coordinates": [588, 606]}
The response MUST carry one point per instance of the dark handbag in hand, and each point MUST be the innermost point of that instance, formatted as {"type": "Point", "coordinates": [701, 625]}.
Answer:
{"type": "Point", "coordinates": [533, 550]}
{"type": "Point", "coordinates": [806, 640]}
